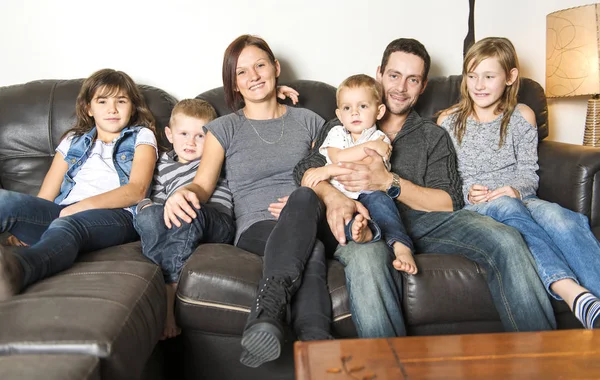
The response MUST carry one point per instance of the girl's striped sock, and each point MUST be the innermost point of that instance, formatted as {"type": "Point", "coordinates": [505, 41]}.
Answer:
{"type": "Point", "coordinates": [587, 309]}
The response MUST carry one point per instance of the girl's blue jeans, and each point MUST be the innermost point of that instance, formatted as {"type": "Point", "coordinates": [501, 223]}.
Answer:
{"type": "Point", "coordinates": [559, 239]}
{"type": "Point", "coordinates": [54, 243]}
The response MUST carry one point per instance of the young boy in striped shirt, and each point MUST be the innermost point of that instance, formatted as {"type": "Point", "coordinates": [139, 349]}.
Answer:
{"type": "Point", "coordinates": [171, 248]}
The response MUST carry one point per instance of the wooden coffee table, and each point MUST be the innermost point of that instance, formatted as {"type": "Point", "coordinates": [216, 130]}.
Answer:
{"type": "Point", "coordinates": [565, 354]}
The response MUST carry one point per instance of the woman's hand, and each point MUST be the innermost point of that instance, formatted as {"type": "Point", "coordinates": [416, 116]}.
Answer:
{"type": "Point", "coordinates": [178, 207]}
{"type": "Point", "coordinates": [478, 194]}
{"type": "Point", "coordinates": [287, 92]}
{"type": "Point", "coordinates": [275, 208]}
{"type": "Point", "coordinates": [502, 191]}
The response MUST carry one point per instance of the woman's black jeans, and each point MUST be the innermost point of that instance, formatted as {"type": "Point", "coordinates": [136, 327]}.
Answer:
{"type": "Point", "coordinates": [290, 248]}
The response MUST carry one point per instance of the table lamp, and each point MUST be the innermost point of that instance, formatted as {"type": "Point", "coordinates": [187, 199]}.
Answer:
{"type": "Point", "coordinates": [573, 63]}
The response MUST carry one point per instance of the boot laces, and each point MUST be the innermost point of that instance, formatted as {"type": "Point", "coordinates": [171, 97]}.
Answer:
{"type": "Point", "coordinates": [272, 299]}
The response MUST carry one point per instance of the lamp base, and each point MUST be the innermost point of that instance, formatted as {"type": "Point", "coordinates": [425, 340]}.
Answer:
{"type": "Point", "coordinates": [591, 136]}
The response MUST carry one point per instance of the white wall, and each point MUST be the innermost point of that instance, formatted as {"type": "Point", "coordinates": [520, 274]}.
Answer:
{"type": "Point", "coordinates": [178, 45]}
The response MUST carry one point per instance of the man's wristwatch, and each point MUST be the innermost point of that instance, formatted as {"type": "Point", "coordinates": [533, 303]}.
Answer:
{"type": "Point", "coordinates": [394, 190]}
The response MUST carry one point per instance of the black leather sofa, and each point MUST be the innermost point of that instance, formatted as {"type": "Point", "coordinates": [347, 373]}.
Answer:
{"type": "Point", "coordinates": [101, 319]}
{"type": "Point", "coordinates": [448, 296]}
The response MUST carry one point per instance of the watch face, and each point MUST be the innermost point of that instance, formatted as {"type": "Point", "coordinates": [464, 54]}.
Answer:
{"type": "Point", "coordinates": [393, 191]}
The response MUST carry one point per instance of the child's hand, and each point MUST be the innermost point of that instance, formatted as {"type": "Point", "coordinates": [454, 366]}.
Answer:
{"type": "Point", "coordinates": [381, 147]}
{"type": "Point", "coordinates": [285, 91]}
{"type": "Point", "coordinates": [13, 241]}
{"type": "Point", "coordinates": [178, 206]}
{"type": "Point", "coordinates": [478, 194]}
{"type": "Point", "coordinates": [504, 190]}
{"type": "Point", "coordinates": [275, 208]}
{"type": "Point", "coordinates": [314, 176]}
{"type": "Point", "coordinates": [72, 209]}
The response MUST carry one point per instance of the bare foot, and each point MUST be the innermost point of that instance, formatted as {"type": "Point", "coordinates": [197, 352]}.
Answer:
{"type": "Point", "coordinates": [361, 233]}
{"type": "Point", "coordinates": [10, 274]}
{"type": "Point", "coordinates": [171, 330]}
{"type": "Point", "coordinates": [405, 260]}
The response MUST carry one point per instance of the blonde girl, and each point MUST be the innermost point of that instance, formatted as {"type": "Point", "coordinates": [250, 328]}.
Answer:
{"type": "Point", "coordinates": [496, 144]}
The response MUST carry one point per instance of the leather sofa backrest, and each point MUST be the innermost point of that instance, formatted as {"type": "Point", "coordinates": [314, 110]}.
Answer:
{"type": "Point", "coordinates": [316, 96]}
{"type": "Point", "coordinates": [34, 116]}
{"type": "Point", "coordinates": [443, 92]}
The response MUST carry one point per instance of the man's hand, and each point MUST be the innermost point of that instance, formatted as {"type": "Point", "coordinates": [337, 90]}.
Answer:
{"type": "Point", "coordinates": [502, 191]}
{"type": "Point", "coordinates": [370, 174]}
{"type": "Point", "coordinates": [285, 91]}
{"type": "Point", "coordinates": [178, 206]}
{"type": "Point", "coordinates": [340, 210]}
{"type": "Point", "coordinates": [275, 208]}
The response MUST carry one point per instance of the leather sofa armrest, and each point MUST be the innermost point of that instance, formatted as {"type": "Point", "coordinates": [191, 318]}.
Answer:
{"type": "Point", "coordinates": [570, 176]}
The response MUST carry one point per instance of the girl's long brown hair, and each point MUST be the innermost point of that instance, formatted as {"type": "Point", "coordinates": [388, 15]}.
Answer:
{"type": "Point", "coordinates": [490, 47]}
{"type": "Point", "coordinates": [110, 82]}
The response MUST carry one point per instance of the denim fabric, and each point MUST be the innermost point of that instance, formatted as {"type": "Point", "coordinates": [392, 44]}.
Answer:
{"type": "Point", "coordinates": [66, 237]}
{"type": "Point", "coordinates": [25, 216]}
{"type": "Point", "coordinates": [384, 213]}
{"type": "Point", "coordinates": [374, 289]}
{"type": "Point", "coordinates": [123, 153]}
{"type": "Point", "coordinates": [171, 248]}
{"type": "Point", "coordinates": [560, 240]}
{"type": "Point", "coordinates": [290, 249]}
{"type": "Point", "coordinates": [517, 291]}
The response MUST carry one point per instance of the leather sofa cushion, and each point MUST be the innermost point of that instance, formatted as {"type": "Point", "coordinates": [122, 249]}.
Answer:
{"type": "Point", "coordinates": [49, 367]}
{"type": "Point", "coordinates": [110, 305]}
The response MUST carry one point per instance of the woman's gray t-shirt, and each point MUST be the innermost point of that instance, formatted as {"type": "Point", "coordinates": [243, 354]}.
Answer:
{"type": "Point", "coordinates": [260, 158]}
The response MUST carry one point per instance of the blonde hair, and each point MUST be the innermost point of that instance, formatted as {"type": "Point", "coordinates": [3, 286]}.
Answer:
{"type": "Point", "coordinates": [361, 81]}
{"type": "Point", "coordinates": [504, 51]}
{"type": "Point", "coordinates": [196, 108]}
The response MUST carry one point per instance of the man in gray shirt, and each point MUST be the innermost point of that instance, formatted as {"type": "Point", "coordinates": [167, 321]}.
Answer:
{"type": "Point", "coordinates": [425, 183]}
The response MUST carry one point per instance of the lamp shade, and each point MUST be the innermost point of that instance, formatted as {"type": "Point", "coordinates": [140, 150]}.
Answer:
{"type": "Point", "coordinates": [572, 52]}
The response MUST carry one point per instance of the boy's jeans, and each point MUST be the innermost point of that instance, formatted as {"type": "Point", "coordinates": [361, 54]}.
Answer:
{"type": "Point", "coordinates": [171, 248]}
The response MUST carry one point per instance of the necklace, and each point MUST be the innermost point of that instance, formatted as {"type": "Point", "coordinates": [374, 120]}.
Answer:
{"type": "Point", "coordinates": [260, 137]}
{"type": "Point", "coordinates": [392, 135]}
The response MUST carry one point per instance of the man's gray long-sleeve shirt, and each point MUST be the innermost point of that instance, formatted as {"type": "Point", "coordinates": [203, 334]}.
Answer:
{"type": "Point", "coordinates": [422, 153]}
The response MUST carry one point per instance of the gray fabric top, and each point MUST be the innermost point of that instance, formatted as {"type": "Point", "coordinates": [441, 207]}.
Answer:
{"type": "Point", "coordinates": [259, 172]}
{"type": "Point", "coordinates": [481, 162]}
{"type": "Point", "coordinates": [171, 174]}
{"type": "Point", "coordinates": [422, 153]}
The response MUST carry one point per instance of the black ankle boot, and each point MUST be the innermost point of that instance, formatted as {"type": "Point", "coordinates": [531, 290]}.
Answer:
{"type": "Point", "coordinates": [11, 274]}
{"type": "Point", "coordinates": [263, 334]}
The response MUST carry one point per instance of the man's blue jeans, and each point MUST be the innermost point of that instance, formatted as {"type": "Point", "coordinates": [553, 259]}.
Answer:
{"type": "Point", "coordinates": [559, 239]}
{"type": "Point", "coordinates": [171, 248]}
{"type": "Point", "coordinates": [375, 287]}
{"type": "Point", "coordinates": [54, 243]}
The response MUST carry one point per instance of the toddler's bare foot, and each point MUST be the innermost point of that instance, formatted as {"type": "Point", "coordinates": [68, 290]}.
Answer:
{"type": "Point", "coordinates": [405, 260]}
{"type": "Point", "coordinates": [171, 330]}
{"type": "Point", "coordinates": [361, 233]}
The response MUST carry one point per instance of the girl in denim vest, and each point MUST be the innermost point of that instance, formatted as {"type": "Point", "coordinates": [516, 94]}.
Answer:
{"type": "Point", "coordinates": [496, 145]}
{"type": "Point", "coordinates": [102, 168]}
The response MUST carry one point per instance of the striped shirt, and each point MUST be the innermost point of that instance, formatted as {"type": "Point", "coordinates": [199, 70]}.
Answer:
{"type": "Point", "coordinates": [170, 175]}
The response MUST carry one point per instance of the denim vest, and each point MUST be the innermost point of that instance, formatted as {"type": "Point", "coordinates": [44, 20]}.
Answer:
{"type": "Point", "coordinates": [78, 153]}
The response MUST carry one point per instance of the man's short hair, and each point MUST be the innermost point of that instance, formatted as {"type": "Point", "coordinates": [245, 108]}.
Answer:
{"type": "Point", "coordinates": [196, 108]}
{"type": "Point", "coordinates": [361, 81]}
{"type": "Point", "coordinates": [406, 45]}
